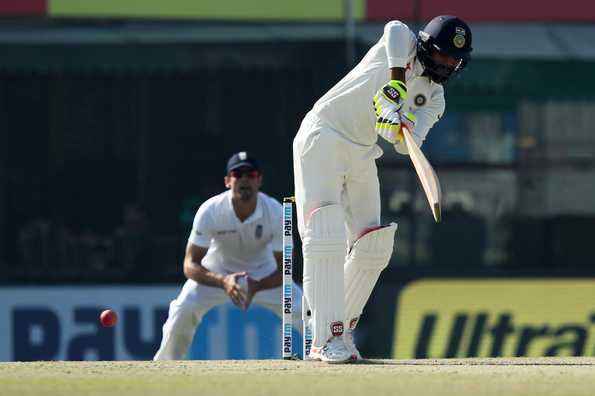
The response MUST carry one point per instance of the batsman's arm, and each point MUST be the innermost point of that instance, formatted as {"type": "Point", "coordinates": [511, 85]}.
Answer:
{"type": "Point", "coordinates": [397, 39]}
{"type": "Point", "coordinates": [195, 271]}
{"type": "Point", "coordinates": [275, 279]}
{"type": "Point", "coordinates": [399, 43]}
{"type": "Point", "coordinates": [397, 73]}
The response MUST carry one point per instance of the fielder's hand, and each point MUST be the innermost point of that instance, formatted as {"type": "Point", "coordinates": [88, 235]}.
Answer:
{"type": "Point", "coordinates": [252, 288]}
{"type": "Point", "coordinates": [387, 105]}
{"type": "Point", "coordinates": [234, 290]}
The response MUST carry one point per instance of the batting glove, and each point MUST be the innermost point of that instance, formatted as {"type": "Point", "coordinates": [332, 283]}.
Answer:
{"type": "Point", "coordinates": [388, 126]}
{"type": "Point", "coordinates": [408, 121]}
{"type": "Point", "coordinates": [387, 104]}
{"type": "Point", "coordinates": [390, 97]}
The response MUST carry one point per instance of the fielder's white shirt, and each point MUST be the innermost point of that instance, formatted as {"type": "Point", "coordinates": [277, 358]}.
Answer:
{"type": "Point", "coordinates": [236, 246]}
{"type": "Point", "coordinates": [347, 107]}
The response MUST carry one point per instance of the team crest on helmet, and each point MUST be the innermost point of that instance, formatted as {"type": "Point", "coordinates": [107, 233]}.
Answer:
{"type": "Point", "coordinates": [419, 100]}
{"type": "Point", "coordinates": [459, 41]}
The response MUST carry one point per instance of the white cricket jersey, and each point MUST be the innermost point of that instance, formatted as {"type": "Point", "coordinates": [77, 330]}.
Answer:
{"type": "Point", "coordinates": [236, 246]}
{"type": "Point", "coordinates": [347, 107]}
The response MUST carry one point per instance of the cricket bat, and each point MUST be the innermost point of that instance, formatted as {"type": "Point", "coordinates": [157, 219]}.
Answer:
{"type": "Point", "coordinates": [426, 175]}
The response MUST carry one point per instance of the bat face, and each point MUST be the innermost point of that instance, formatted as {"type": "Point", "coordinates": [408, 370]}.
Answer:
{"type": "Point", "coordinates": [426, 174]}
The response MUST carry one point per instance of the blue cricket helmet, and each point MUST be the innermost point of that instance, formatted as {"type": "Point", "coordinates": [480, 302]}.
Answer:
{"type": "Point", "coordinates": [447, 35]}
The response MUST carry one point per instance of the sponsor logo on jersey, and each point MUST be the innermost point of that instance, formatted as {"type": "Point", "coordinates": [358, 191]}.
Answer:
{"type": "Point", "coordinates": [258, 232]}
{"type": "Point", "coordinates": [225, 232]}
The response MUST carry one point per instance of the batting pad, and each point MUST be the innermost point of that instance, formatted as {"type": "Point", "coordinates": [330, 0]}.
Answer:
{"type": "Point", "coordinates": [369, 255]}
{"type": "Point", "coordinates": [324, 247]}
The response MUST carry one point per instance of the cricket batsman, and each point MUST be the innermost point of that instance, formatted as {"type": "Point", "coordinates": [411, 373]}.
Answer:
{"type": "Point", "coordinates": [398, 82]}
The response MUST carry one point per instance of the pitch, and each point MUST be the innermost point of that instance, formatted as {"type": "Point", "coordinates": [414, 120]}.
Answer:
{"type": "Point", "coordinates": [444, 377]}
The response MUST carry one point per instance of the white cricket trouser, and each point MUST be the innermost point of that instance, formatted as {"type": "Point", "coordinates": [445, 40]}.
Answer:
{"type": "Point", "coordinates": [331, 170]}
{"type": "Point", "coordinates": [195, 300]}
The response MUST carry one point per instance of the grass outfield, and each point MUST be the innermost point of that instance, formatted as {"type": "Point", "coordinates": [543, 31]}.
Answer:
{"type": "Point", "coordinates": [444, 377]}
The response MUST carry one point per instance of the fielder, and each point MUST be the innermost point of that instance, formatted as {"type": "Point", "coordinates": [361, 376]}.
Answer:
{"type": "Point", "coordinates": [234, 252]}
{"type": "Point", "coordinates": [399, 81]}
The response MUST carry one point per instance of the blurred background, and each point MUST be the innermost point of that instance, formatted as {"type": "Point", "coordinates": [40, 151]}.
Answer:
{"type": "Point", "coordinates": [117, 118]}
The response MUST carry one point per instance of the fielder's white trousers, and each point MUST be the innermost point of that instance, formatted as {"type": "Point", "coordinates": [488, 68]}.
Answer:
{"type": "Point", "coordinates": [195, 300]}
{"type": "Point", "coordinates": [330, 169]}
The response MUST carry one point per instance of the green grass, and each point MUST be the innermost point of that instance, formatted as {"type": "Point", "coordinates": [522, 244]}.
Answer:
{"type": "Point", "coordinates": [444, 377]}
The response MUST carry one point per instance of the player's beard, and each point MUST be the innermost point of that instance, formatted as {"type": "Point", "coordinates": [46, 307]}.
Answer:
{"type": "Point", "coordinates": [246, 193]}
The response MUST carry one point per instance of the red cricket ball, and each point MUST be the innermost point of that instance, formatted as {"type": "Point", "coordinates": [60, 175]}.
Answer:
{"type": "Point", "coordinates": [108, 318]}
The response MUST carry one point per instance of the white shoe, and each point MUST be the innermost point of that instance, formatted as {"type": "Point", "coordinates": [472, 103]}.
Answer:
{"type": "Point", "coordinates": [350, 344]}
{"type": "Point", "coordinates": [334, 351]}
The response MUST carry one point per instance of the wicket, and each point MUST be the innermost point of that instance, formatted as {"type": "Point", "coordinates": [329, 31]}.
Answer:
{"type": "Point", "coordinates": [287, 303]}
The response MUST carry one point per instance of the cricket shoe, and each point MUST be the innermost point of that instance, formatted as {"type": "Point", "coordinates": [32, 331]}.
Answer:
{"type": "Point", "coordinates": [334, 351]}
{"type": "Point", "coordinates": [350, 344]}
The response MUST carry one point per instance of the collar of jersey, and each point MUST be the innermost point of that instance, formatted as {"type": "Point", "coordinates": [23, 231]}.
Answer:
{"type": "Point", "coordinates": [417, 68]}
{"type": "Point", "coordinates": [253, 217]}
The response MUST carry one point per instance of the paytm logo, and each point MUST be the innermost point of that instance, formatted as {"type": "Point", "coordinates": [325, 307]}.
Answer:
{"type": "Point", "coordinates": [228, 333]}
{"type": "Point", "coordinates": [39, 333]}
{"type": "Point", "coordinates": [62, 323]}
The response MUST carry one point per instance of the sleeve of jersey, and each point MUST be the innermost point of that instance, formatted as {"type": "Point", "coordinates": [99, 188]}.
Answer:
{"type": "Point", "coordinates": [399, 41]}
{"type": "Point", "coordinates": [201, 233]}
{"type": "Point", "coordinates": [277, 241]}
{"type": "Point", "coordinates": [426, 117]}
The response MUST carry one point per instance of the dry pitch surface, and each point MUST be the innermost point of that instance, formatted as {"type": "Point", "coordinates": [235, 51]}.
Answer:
{"type": "Point", "coordinates": [444, 377]}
